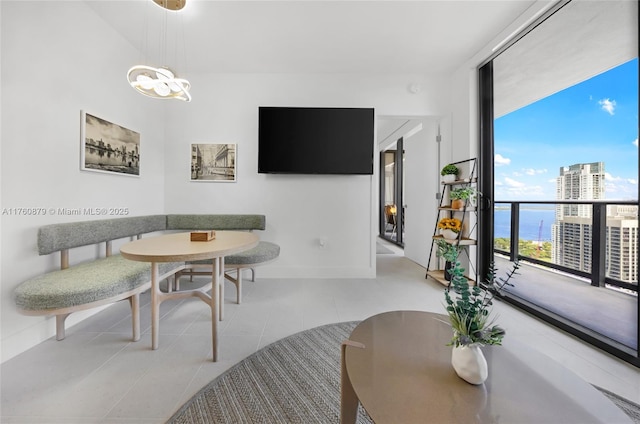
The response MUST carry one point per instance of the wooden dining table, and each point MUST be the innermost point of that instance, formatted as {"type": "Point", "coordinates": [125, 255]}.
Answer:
{"type": "Point", "coordinates": [178, 247]}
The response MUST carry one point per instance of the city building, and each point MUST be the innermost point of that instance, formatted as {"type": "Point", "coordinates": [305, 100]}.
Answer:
{"type": "Point", "coordinates": [572, 230]}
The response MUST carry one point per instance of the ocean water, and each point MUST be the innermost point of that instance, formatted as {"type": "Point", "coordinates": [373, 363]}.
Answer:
{"type": "Point", "coordinates": [530, 221]}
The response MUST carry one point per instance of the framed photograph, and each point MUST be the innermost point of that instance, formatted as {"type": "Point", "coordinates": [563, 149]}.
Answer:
{"type": "Point", "coordinates": [213, 162]}
{"type": "Point", "coordinates": [108, 147]}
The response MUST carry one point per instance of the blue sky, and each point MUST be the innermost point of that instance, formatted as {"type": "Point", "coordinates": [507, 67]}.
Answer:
{"type": "Point", "coordinates": [594, 121]}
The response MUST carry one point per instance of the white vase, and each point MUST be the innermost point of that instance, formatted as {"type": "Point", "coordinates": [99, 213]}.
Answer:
{"type": "Point", "coordinates": [470, 364]}
{"type": "Point", "coordinates": [449, 178]}
{"type": "Point", "coordinates": [448, 234]}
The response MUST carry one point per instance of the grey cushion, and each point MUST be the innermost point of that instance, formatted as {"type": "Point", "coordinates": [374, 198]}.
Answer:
{"type": "Point", "coordinates": [216, 222]}
{"type": "Point", "coordinates": [84, 283]}
{"type": "Point", "coordinates": [55, 237]}
{"type": "Point", "coordinates": [264, 252]}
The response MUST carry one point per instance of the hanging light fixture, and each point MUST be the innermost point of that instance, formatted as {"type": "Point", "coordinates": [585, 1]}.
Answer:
{"type": "Point", "coordinates": [161, 82]}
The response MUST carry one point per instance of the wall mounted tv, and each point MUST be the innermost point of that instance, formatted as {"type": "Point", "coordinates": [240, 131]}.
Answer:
{"type": "Point", "coordinates": [304, 140]}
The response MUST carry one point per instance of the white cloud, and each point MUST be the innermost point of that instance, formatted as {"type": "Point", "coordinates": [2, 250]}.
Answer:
{"type": "Point", "coordinates": [607, 105]}
{"type": "Point", "coordinates": [531, 171]}
{"type": "Point", "coordinates": [500, 160]}
{"type": "Point", "coordinates": [620, 188]}
{"type": "Point", "coordinates": [610, 178]}
{"type": "Point", "coordinates": [513, 183]}
{"type": "Point", "coordinates": [635, 142]}
{"type": "Point", "coordinates": [518, 191]}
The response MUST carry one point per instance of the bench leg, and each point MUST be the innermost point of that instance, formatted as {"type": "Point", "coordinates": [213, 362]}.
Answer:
{"type": "Point", "coordinates": [239, 286]}
{"type": "Point", "coordinates": [134, 301]}
{"type": "Point", "coordinates": [253, 274]}
{"type": "Point", "coordinates": [60, 319]}
{"type": "Point", "coordinates": [237, 282]}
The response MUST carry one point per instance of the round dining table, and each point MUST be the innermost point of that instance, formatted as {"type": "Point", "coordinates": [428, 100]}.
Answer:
{"type": "Point", "coordinates": [178, 247]}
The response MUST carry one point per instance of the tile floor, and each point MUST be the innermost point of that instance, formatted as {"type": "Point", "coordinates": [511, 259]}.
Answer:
{"type": "Point", "coordinates": [96, 375]}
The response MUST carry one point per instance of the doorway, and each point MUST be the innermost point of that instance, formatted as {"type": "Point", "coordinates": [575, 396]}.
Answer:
{"type": "Point", "coordinates": [391, 194]}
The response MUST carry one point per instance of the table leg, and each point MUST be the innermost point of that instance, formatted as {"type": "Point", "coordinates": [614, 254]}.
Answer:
{"type": "Point", "coordinates": [155, 305]}
{"type": "Point", "coordinates": [348, 397]}
{"type": "Point", "coordinates": [215, 298]}
{"type": "Point", "coordinates": [222, 281]}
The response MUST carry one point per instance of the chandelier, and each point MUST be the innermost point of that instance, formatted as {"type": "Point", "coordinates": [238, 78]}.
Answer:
{"type": "Point", "coordinates": [160, 82]}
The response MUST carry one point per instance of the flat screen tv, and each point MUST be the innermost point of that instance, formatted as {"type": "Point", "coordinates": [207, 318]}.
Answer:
{"type": "Point", "coordinates": [304, 140]}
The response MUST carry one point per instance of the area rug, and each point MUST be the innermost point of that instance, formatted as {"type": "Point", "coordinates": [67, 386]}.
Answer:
{"type": "Point", "coordinates": [294, 380]}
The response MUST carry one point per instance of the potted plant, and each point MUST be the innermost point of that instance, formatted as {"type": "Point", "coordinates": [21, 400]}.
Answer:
{"type": "Point", "coordinates": [449, 173]}
{"type": "Point", "coordinates": [449, 252]}
{"type": "Point", "coordinates": [462, 194]}
{"type": "Point", "coordinates": [450, 227]}
{"type": "Point", "coordinates": [469, 310]}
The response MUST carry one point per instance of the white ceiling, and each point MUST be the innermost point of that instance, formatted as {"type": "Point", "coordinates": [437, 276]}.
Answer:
{"type": "Point", "coordinates": [583, 39]}
{"type": "Point", "coordinates": [422, 37]}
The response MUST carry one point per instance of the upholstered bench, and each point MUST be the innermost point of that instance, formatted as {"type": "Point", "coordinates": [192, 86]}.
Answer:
{"type": "Point", "coordinates": [93, 283]}
{"type": "Point", "coordinates": [263, 253]}
{"type": "Point", "coordinates": [112, 278]}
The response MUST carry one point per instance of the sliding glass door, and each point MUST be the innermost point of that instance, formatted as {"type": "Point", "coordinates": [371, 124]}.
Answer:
{"type": "Point", "coordinates": [559, 164]}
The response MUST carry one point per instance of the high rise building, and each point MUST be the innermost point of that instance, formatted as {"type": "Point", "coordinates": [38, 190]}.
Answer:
{"type": "Point", "coordinates": [572, 231]}
{"type": "Point", "coordinates": [622, 243]}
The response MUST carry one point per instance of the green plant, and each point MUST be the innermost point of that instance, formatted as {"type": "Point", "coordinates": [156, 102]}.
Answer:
{"type": "Point", "coordinates": [463, 193]}
{"type": "Point", "coordinates": [449, 169]}
{"type": "Point", "coordinates": [448, 251]}
{"type": "Point", "coordinates": [469, 308]}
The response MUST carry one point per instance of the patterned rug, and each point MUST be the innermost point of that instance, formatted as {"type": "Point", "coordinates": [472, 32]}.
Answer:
{"type": "Point", "coordinates": [294, 380]}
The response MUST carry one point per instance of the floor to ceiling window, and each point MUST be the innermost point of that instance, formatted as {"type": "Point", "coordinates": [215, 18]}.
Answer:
{"type": "Point", "coordinates": [559, 153]}
{"type": "Point", "coordinates": [391, 193]}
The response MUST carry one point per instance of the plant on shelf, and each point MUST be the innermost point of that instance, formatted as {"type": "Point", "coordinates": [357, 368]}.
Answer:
{"type": "Point", "coordinates": [462, 194]}
{"type": "Point", "coordinates": [449, 252]}
{"type": "Point", "coordinates": [450, 227]}
{"type": "Point", "coordinates": [469, 310]}
{"type": "Point", "coordinates": [449, 173]}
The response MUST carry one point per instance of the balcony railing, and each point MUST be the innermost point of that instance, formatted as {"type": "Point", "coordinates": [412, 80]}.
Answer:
{"type": "Point", "coordinates": [592, 240]}
{"type": "Point", "coordinates": [572, 246]}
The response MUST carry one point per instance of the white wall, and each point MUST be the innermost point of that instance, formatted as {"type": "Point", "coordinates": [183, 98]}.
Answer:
{"type": "Point", "coordinates": [299, 209]}
{"type": "Point", "coordinates": [59, 58]}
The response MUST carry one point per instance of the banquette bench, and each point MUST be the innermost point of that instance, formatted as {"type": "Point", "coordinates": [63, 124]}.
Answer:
{"type": "Point", "coordinates": [112, 278]}
{"type": "Point", "coordinates": [263, 253]}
